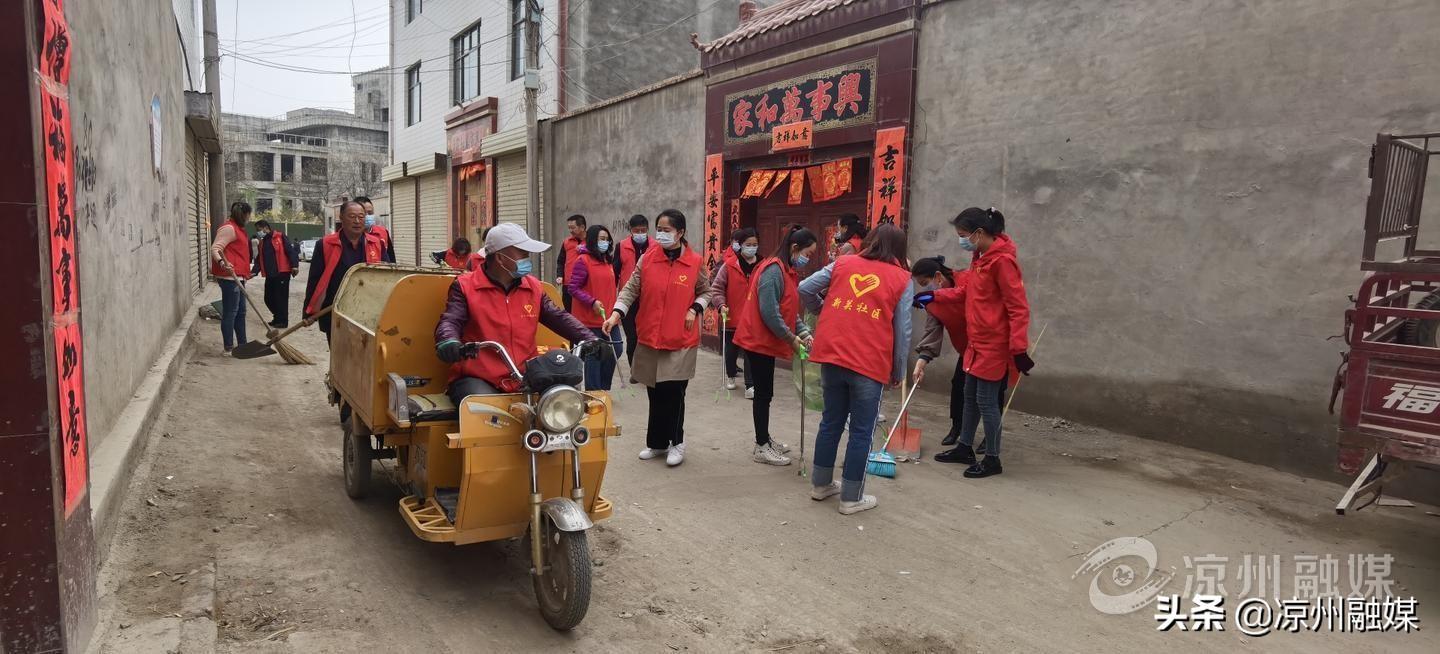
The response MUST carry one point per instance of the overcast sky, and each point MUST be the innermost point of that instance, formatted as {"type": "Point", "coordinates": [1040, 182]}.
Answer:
{"type": "Point", "coordinates": [311, 34]}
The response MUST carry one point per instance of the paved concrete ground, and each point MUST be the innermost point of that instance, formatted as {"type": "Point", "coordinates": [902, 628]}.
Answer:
{"type": "Point", "coordinates": [718, 555]}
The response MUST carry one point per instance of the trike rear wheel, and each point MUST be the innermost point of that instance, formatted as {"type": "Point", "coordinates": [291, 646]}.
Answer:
{"type": "Point", "coordinates": [563, 591]}
{"type": "Point", "coordinates": [355, 453]}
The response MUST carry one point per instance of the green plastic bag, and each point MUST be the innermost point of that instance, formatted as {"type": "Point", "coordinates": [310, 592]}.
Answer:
{"type": "Point", "coordinates": [800, 365]}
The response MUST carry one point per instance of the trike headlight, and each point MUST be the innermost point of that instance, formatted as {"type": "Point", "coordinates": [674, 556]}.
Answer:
{"type": "Point", "coordinates": [560, 409]}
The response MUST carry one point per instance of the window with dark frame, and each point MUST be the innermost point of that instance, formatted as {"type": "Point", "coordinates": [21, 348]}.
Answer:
{"type": "Point", "coordinates": [412, 94]}
{"type": "Point", "coordinates": [413, 9]}
{"type": "Point", "coordinates": [517, 35]}
{"type": "Point", "coordinates": [465, 65]}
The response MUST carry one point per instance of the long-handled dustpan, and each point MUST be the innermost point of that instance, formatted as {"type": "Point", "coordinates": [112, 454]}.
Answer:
{"type": "Point", "coordinates": [256, 349]}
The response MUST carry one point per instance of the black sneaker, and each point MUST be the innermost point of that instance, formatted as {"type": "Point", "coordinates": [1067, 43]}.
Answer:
{"type": "Point", "coordinates": [951, 438]}
{"type": "Point", "coordinates": [960, 454]}
{"type": "Point", "coordinates": [987, 466]}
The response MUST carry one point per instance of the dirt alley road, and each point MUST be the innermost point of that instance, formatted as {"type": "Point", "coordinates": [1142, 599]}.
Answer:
{"type": "Point", "coordinates": [718, 555]}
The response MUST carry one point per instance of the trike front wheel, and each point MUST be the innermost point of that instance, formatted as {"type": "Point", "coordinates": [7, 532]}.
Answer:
{"type": "Point", "coordinates": [563, 591]}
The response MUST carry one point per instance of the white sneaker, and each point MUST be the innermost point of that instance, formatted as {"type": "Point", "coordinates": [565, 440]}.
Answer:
{"type": "Point", "coordinates": [818, 493]}
{"type": "Point", "coordinates": [750, 393]}
{"type": "Point", "coordinates": [768, 455]}
{"type": "Point", "coordinates": [676, 455]}
{"type": "Point", "coordinates": [650, 453]}
{"type": "Point", "coordinates": [880, 419]}
{"type": "Point", "coordinates": [866, 503]}
{"type": "Point", "coordinates": [730, 383]}
{"type": "Point", "coordinates": [779, 447]}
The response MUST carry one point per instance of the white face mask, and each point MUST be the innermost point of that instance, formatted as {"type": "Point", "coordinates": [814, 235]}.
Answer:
{"type": "Point", "coordinates": [749, 251]}
{"type": "Point", "coordinates": [665, 239]}
{"type": "Point", "coordinates": [639, 238]}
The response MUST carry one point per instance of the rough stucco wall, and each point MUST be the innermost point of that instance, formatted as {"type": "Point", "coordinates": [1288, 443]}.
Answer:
{"type": "Point", "coordinates": [1186, 183]}
{"type": "Point", "coordinates": [618, 47]}
{"type": "Point", "coordinates": [642, 155]}
{"type": "Point", "coordinates": [133, 261]}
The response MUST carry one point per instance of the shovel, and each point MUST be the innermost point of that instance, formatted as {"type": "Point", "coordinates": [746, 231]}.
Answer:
{"type": "Point", "coordinates": [256, 349]}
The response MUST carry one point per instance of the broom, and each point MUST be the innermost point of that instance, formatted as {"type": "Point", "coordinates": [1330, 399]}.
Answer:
{"type": "Point", "coordinates": [287, 351]}
{"type": "Point", "coordinates": [881, 463]}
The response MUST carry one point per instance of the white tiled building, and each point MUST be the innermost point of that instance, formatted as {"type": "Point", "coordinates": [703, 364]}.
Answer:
{"type": "Point", "coordinates": [457, 122]}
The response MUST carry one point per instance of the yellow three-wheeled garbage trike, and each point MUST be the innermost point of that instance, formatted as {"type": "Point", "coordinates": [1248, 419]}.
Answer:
{"type": "Point", "coordinates": [495, 467]}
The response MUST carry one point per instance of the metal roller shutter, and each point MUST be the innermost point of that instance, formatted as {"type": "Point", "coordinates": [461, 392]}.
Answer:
{"type": "Point", "coordinates": [402, 220]}
{"type": "Point", "coordinates": [434, 215]}
{"type": "Point", "coordinates": [510, 189]}
{"type": "Point", "coordinates": [197, 203]}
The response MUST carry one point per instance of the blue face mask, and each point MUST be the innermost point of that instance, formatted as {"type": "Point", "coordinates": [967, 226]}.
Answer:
{"type": "Point", "coordinates": [523, 267]}
{"type": "Point", "coordinates": [800, 261]}
{"type": "Point", "coordinates": [966, 244]}
{"type": "Point", "coordinates": [640, 238]}
{"type": "Point", "coordinates": [602, 246]}
{"type": "Point", "coordinates": [749, 251]}
{"type": "Point", "coordinates": [369, 220]}
{"type": "Point", "coordinates": [735, 247]}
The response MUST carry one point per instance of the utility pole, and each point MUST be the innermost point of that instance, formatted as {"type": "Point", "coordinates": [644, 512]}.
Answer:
{"type": "Point", "coordinates": [532, 118]}
{"type": "Point", "coordinates": [212, 86]}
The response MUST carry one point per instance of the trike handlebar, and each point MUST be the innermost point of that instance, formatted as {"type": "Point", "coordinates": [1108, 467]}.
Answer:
{"type": "Point", "coordinates": [472, 349]}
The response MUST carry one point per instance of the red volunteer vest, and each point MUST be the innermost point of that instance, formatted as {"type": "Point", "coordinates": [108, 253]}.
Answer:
{"type": "Point", "coordinates": [952, 316]}
{"type": "Point", "coordinates": [570, 244]}
{"type": "Point", "coordinates": [276, 243]}
{"type": "Point", "coordinates": [856, 329]}
{"type": "Point", "coordinates": [330, 246]}
{"type": "Point", "coordinates": [628, 257]}
{"type": "Point", "coordinates": [600, 284]}
{"type": "Point", "coordinates": [855, 243]}
{"type": "Point", "coordinates": [383, 234]}
{"type": "Point", "coordinates": [751, 332]}
{"type": "Point", "coordinates": [510, 319]}
{"type": "Point", "coordinates": [667, 291]}
{"type": "Point", "coordinates": [237, 253]}
{"type": "Point", "coordinates": [454, 261]}
{"type": "Point", "coordinates": [737, 289]}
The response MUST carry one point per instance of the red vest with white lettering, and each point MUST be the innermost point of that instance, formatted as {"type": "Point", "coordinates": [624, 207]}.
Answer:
{"type": "Point", "coordinates": [628, 257]}
{"type": "Point", "coordinates": [237, 252]}
{"type": "Point", "coordinates": [856, 329]}
{"type": "Point", "coordinates": [737, 289]}
{"type": "Point", "coordinates": [330, 247]}
{"type": "Point", "coordinates": [667, 291]}
{"type": "Point", "coordinates": [276, 243]}
{"type": "Point", "coordinates": [751, 332]}
{"type": "Point", "coordinates": [510, 319]}
{"type": "Point", "coordinates": [600, 284]}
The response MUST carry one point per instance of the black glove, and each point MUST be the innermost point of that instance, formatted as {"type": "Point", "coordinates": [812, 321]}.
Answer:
{"type": "Point", "coordinates": [449, 351]}
{"type": "Point", "coordinates": [1024, 363]}
{"type": "Point", "coordinates": [597, 350]}
{"type": "Point", "coordinates": [923, 298]}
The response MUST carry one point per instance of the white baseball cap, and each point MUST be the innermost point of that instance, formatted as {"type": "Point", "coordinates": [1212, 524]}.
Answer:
{"type": "Point", "coordinates": [506, 235]}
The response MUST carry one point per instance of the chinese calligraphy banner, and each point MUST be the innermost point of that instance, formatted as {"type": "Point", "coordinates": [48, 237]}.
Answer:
{"type": "Point", "coordinates": [831, 98]}
{"type": "Point", "coordinates": [66, 334]}
{"type": "Point", "coordinates": [887, 190]}
{"type": "Point", "coordinates": [714, 208]}
{"type": "Point", "coordinates": [795, 136]}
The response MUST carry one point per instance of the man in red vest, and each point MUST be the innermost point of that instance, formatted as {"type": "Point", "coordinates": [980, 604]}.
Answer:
{"type": "Point", "coordinates": [277, 261]}
{"type": "Point", "coordinates": [336, 254]}
{"type": "Point", "coordinates": [576, 225]}
{"type": "Point", "coordinates": [631, 249]}
{"type": "Point", "coordinates": [387, 244]}
{"type": "Point", "coordinates": [499, 302]}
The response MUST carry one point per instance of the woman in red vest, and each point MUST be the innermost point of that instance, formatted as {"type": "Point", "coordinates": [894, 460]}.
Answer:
{"type": "Point", "coordinates": [731, 285]}
{"type": "Point", "coordinates": [230, 265]}
{"type": "Point", "coordinates": [997, 324]}
{"type": "Point", "coordinates": [850, 234]}
{"type": "Point", "coordinates": [667, 295]}
{"type": "Point", "coordinates": [862, 342]}
{"type": "Point", "coordinates": [769, 328]}
{"type": "Point", "coordinates": [931, 275]}
{"type": "Point", "coordinates": [593, 289]}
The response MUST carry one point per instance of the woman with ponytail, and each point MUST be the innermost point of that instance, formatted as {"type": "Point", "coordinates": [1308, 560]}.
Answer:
{"type": "Point", "coordinates": [930, 275]}
{"type": "Point", "coordinates": [997, 324]}
{"type": "Point", "coordinates": [850, 234]}
{"type": "Point", "coordinates": [770, 328]}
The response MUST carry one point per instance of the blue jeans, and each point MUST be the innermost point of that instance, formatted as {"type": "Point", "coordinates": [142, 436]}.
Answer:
{"type": "Point", "coordinates": [232, 314]}
{"type": "Point", "coordinates": [853, 396]}
{"type": "Point", "coordinates": [983, 399]}
{"type": "Point", "coordinates": [599, 374]}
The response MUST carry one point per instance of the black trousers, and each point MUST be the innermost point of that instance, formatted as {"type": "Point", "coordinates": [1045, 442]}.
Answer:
{"type": "Point", "coordinates": [667, 414]}
{"type": "Point", "coordinates": [732, 359]}
{"type": "Point", "coordinates": [464, 387]}
{"type": "Point", "coordinates": [628, 324]}
{"type": "Point", "coordinates": [957, 395]}
{"type": "Point", "coordinates": [277, 299]}
{"type": "Point", "coordinates": [760, 369]}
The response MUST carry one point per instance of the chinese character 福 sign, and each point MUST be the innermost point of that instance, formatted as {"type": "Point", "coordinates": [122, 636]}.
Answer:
{"type": "Point", "coordinates": [831, 98]}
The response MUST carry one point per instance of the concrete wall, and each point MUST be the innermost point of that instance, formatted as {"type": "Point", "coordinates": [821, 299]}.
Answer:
{"type": "Point", "coordinates": [1186, 182]}
{"type": "Point", "coordinates": [133, 257]}
{"type": "Point", "coordinates": [616, 47]}
{"type": "Point", "coordinates": [641, 155]}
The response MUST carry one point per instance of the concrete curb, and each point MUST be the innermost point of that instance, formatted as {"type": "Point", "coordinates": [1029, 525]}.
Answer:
{"type": "Point", "coordinates": [199, 632]}
{"type": "Point", "coordinates": [112, 464]}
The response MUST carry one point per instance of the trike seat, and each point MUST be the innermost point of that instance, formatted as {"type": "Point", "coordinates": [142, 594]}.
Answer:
{"type": "Point", "coordinates": [432, 407]}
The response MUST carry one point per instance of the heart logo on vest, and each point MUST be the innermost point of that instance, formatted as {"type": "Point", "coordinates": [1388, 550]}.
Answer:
{"type": "Point", "coordinates": [862, 284]}
{"type": "Point", "coordinates": [529, 309]}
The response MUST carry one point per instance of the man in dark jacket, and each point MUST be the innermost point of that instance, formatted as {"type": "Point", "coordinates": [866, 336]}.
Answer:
{"type": "Point", "coordinates": [278, 259]}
